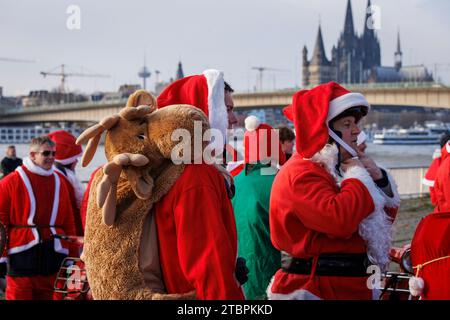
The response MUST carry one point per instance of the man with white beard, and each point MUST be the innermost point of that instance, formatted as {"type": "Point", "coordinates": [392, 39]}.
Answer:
{"type": "Point", "coordinates": [331, 206]}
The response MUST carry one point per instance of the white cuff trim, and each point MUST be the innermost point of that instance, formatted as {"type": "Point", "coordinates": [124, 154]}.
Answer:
{"type": "Point", "coordinates": [429, 183]}
{"type": "Point", "coordinates": [394, 201]}
{"type": "Point", "coordinates": [300, 294]}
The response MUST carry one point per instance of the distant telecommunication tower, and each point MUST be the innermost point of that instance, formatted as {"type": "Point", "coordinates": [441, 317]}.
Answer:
{"type": "Point", "coordinates": [144, 73]}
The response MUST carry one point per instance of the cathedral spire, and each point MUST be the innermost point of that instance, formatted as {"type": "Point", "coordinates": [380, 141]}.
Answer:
{"type": "Point", "coordinates": [180, 73]}
{"type": "Point", "coordinates": [368, 29]}
{"type": "Point", "coordinates": [319, 57]}
{"type": "Point", "coordinates": [398, 54]}
{"type": "Point", "coordinates": [348, 26]}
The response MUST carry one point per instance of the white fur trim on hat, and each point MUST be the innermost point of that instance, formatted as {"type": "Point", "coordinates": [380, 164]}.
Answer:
{"type": "Point", "coordinates": [70, 160]}
{"type": "Point", "coordinates": [252, 123]}
{"type": "Point", "coordinates": [347, 101]}
{"type": "Point", "coordinates": [217, 110]}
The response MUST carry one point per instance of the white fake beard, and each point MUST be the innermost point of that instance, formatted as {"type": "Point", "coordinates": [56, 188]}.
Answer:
{"type": "Point", "coordinates": [77, 186]}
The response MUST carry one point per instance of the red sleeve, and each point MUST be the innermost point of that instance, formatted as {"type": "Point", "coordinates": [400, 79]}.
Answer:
{"type": "Point", "coordinates": [85, 201]}
{"type": "Point", "coordinates": [5, 207]}
{"type": "Point", "coordinates": [206, 249]}
{"type": "Point", "coordinates": [321, 207]}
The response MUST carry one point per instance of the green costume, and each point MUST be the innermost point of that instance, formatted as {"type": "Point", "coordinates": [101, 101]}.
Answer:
{"type": "Point", "coordinates": [251, 209]}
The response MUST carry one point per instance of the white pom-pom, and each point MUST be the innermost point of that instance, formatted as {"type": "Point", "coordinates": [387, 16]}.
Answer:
{"type": "Point", "coordinates": [416, 285]}
{"type": "Point", "coordinates": [252, 123]}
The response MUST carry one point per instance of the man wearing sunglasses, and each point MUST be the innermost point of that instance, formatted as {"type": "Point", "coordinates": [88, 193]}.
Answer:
{"type": "Point", "coordinates": [34, 206]}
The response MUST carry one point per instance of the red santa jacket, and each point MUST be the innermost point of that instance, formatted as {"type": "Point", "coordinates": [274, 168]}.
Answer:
{"type": "Point", "coordinates": [197, 236]}
{"type": "Point", "coordinates": [311, 214]}
{"type": "Point", "coordinates": [31, 199]}
{"type": "Point", "coordinates": [430, 248]}
{"type": "Point", "coordinates": [430, 177]}
{"type": "Point", "coordinates": [441, 187]}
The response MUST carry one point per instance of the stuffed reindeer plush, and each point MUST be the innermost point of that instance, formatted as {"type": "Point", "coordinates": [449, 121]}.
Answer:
{"type": "Point", "coordinates": [139, 173]}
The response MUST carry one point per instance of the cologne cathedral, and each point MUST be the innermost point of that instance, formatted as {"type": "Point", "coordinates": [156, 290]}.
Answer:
{"type": "Point", "coordinates": [357, 59]}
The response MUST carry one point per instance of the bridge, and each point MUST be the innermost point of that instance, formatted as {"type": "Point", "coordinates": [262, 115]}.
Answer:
{"type": "Point", "coordinates": [429, 96]}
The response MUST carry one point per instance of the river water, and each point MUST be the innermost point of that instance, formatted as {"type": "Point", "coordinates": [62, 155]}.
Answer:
{"type": "Point", "coordinates": [388, 156]}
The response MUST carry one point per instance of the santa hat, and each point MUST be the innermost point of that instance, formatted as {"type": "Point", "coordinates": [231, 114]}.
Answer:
{"type": "Point", "coordinates": [258, 142]}
{"type": "Point", "coordinates": [289, 112]}
{"type": "Point", "coordinates": [312, 111]}
{"type": "Point", "coordinates": [205, 91]}
{"type": "Point", "coordinates": [67, 151]}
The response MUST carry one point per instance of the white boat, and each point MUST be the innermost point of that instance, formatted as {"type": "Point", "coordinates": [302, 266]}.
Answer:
{"type": "Point", "coordinates": [406, 136]}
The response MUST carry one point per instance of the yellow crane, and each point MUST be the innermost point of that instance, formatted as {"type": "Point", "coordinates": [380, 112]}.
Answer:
{"type": "Point", "coordinates": [64, 74]}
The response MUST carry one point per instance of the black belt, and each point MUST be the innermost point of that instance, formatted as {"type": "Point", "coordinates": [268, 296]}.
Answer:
{"type": "Point", "coordinates": [328, 264]}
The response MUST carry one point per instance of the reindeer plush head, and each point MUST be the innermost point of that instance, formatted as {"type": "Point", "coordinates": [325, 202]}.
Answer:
{"type": "Point", "coordinates": [138, 146]}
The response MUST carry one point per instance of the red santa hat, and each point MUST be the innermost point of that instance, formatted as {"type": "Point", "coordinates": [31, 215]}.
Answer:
{"type": "Point", "coordinates": [262, 134]}
{"type": "Point", "coordinates": [312, 111]}
{"type": "Point", "coordinates": [67, 151]}
{"type": "Point", "coordinates": [289, 112]}
{"type": "Point", "coordinates": [205, 91]}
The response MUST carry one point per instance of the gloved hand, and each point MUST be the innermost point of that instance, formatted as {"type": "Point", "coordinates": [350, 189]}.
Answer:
{"type": "Point", "coordinates": [241, 270]}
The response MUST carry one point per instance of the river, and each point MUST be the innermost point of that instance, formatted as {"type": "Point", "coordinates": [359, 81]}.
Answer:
{"type": "Point", "coordinates": [388, 156]}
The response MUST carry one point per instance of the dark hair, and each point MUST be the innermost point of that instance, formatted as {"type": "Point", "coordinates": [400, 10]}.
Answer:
{"type": "Point", "coordinates": [228, 87]}
{"type": "Point", "coordinates": [357, 112]}
{"type": "Point", "coordinates": [39, 141]}
{"type": "Point", "coordinates": [444, 139]}
{"type": "Point", "coordinates": [286, 134]}
{"type": "Point", "coordinates": [11, 147]}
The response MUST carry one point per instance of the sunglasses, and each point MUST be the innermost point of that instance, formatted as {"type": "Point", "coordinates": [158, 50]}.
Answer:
{"type": "Point", "coordinates": [48, 153]}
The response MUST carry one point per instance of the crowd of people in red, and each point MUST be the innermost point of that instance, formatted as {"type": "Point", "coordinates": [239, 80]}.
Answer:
{"type": "Point", "coordinates": [322, 218]}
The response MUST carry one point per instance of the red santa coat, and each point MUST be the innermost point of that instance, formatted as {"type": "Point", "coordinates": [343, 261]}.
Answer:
{"type": "Point", "coordinates": [197, 236]}
{"type": "Point", "coordinates": [431, 174]}
{"type": "Point", "coordinates": [441, 189]}
{"type": "Point", "coordinates": [32, 199]}
{"type": "Point", "coordinates": [430, 247]}
{"type": "Point", "coordinates": [315, 212]}
{"type": "Point", "coordinates": [311, 214]}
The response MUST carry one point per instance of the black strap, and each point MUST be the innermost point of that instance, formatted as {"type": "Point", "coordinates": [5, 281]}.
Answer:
{"type": "Point", "coordinates": [329, 264]}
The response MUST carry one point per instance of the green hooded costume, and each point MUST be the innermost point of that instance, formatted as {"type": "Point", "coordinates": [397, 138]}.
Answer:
{"type": "Point", "coordinates": [251, 209]}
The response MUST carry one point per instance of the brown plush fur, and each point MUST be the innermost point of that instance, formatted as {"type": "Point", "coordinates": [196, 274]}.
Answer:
{"type": "Point", "coordinates": [111, 253]}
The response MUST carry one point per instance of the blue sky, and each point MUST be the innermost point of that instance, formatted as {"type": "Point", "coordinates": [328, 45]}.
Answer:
{"type": "Point", "coordinates": [232, 35]}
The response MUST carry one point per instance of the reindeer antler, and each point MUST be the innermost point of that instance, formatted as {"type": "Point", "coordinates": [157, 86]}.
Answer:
{"type": "Point", "coordinates": [139, 104]}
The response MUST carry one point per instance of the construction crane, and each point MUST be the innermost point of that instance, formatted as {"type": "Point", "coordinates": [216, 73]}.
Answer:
{"type": "Point", "coordinates": [261, 70]}
{"type": "Point", "coordinates": [438, 67]}
{"type": "Point", "coordinates": [16, 60]}
{"type": "Point", "coordinates": [64, 74]}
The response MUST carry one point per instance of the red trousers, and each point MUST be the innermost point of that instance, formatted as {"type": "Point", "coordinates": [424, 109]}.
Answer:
{"type": "Point", "coordinates": [30, 288]}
